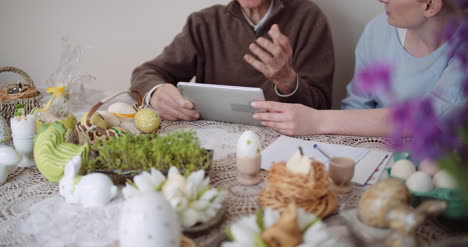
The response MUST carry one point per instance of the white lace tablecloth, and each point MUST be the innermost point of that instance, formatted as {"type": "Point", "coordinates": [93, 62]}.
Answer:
{"type": "Point", "coordinates": [26, 186]}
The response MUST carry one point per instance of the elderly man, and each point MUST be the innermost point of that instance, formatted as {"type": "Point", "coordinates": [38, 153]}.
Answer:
{"type": "Point", "coordinates": [282, 46]}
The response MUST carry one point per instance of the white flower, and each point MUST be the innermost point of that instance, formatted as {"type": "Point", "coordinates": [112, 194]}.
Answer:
{"type": "Point", "coordinates": [246, 231]}
{"type": "Point", "coordinates": [193, 198]}
{"type": "Point", "coordinates": [145, 182]}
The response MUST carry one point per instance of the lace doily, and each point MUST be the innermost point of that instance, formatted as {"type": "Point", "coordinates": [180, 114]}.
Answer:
{"type": "Point", "coordinates": [25, 190]}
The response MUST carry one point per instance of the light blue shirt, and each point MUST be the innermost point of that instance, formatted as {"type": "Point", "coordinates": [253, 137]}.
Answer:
{"type": "Point", "coordinates": [434, 75]}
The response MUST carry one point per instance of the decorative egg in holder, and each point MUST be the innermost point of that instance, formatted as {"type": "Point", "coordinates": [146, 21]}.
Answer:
{"type": "Point", "coordinates": [453, 196]}
{"type": "Point", "coordinates": [23, 130]}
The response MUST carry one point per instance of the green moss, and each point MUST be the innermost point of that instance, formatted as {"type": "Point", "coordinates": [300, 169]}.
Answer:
{"type": "Point", "coordinates": [141, 152]}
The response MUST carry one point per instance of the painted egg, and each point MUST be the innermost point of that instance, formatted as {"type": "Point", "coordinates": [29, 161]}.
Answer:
{"type": "Point", "coordinates": [148, 220]}
{"type": "Point", "coordinates": [443, 179]}
{"type": "Point", "coordinates": [5, 132]}
{"type": "Point", "coordinates": [419, 182]}
{"type": "Point", "coordinates": [147, 120]}
{"type": "Point", "coordinates": [121, 109]}
{"type": "Point", "coordinates": [96, 119]}
{"type": "Point", "coordinates": [429, 167]}
{"type": "Point", "coordinates": [403, 169]}
{"type": "Point", "coordinates": [118, 131]}
{"type": "Point", "coordinates": [111, 119]}
{"type": "Point", "coordinates": [379, 199]}
{"type": "Point", "coordinates": [249, 145]}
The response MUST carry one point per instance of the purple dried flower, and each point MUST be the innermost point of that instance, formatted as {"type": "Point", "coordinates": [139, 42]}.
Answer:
{"type": "Point", "coordinates": [375, 77]}
{"type": "Point", "coordinates": [461, 3]}
{"type": "Point", "coordinates": [417, 117]}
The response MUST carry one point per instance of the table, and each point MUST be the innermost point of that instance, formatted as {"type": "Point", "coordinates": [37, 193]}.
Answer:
{"type": "Point", "coordinates": [26, 186]}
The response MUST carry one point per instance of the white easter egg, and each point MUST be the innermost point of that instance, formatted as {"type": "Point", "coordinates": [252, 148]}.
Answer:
{"type": "Point", "coordinates": [249, 145]}
{"type": "Point", "coordinates": [419, 182]}
{"type": "Point", "coordinates": [121, 108]}
{"type": "Point", "coordinates": [443, 179]}
{"type": "Point", "coordinates": [9, 156]}
{"type": "Point", "coordinates": [111, 119]}
{"type": "Point", "coordinates": [149, 220]}
{"type": "Point", "coordinates": [429, 167]}
{"type": "Point", "coordinates": [403, 169]}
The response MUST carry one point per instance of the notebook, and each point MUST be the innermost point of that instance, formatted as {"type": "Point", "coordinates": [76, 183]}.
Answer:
{"type": "Point", "coordinates": [367, 160]}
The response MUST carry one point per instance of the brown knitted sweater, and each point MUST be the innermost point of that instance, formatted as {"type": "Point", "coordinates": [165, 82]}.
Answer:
{"type": "Point", "coordinates": [213, 42]}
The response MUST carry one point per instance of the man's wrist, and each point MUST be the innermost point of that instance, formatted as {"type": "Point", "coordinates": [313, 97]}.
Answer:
{"type": "Point", "coordinates": [149, 94]}
{"type": "Point", "coordinates": [296, 78]}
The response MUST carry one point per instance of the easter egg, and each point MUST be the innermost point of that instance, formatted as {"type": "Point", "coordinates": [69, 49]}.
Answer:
{"type": "Point", "coordinates": [118, 131]}
{"type": "Point", "coordinates": [121, 109]}
{"type": "Point", "coordinates": [429, 167]}
{"type": "Point", "coordinates": [403, 169]}
{"type": "Point", "coordinates": [419, 182]}
{"type": "Point", "coordinates": [111, 119]}
{"type": "Point", "coordinates": [96, 119]}
{"type": "Point", "coordinates": [149, 220]}
{"type": "Point", "coordinates": [249, 145]}
{"type": "Point", "coordinates": [147, 120]}
{"type": "Point", "coordinates": [443, 179]}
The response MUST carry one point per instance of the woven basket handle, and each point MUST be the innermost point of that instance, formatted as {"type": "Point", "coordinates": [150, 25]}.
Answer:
{"type": "Point", "coordinates": [107, 99]}
{"type": "Point", "coordinates": [18, 71]}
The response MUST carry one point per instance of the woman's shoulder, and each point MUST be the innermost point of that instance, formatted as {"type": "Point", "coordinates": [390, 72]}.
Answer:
{"type": "Point", "coordinates": [376, 35]}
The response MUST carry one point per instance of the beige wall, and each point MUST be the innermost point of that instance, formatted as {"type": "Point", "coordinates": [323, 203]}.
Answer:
{"type": "Point", "coordinates": [118, 35]}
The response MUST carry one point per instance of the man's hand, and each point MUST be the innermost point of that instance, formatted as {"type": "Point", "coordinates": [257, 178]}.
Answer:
{"type": "Point", "coordinates": [289, 119]}
{"type": "Point", "coordinates": [275, 60]}
{"type": "Point", "coordinates": [171, 105]}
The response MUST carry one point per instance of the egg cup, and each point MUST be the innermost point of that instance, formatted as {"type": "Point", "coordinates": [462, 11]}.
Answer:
{"type": "Point", "coordinates": [24, 146]}
{"type": "Point", "coordinates": [249, 170]}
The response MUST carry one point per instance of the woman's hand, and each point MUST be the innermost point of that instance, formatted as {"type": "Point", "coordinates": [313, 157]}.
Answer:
{"type": "Point", "coordinates": [171, 105]}
{"type": "Point", "coordinates": [289, 119]}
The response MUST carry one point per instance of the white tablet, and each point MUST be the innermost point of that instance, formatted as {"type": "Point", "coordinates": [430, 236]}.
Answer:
{"type": "Point", "coordinates": [222, 103]}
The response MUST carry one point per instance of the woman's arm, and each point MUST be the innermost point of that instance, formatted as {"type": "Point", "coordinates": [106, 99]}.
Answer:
{"type": "Point", "coordinates": [298, 120]}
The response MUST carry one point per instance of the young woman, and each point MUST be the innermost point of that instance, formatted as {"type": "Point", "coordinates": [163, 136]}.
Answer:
{"type": "Point", "coordinates": [408, 36]}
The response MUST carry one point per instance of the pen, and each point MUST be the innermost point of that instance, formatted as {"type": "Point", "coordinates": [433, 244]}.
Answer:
{"type": "Point", "coordinates": [322, 151]}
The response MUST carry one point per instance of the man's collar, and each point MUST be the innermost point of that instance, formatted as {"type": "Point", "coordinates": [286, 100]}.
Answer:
{"type": "Point", "coordinates": [235, 9]}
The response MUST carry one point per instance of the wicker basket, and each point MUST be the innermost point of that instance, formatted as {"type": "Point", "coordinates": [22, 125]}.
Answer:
{"type": "Point", "coordinates": [30, 97]}
{"type": "Point", "coordinates": [91, 133]}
